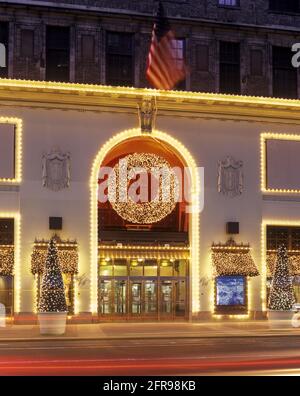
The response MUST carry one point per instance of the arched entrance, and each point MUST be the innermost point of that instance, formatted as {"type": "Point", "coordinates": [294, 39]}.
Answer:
{"type": "Point", "coordinates": [132, 275]}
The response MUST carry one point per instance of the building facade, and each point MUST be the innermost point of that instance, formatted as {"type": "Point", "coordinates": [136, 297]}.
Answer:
{"type": "Point", "coordinates": [218, 262]}
{"type": "Point", "coordinates": [242, 153]}
{"type": "Point", "coordinates": [231, 46]}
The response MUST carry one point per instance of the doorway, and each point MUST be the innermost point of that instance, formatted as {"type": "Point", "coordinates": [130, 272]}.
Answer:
{"type": "Point", "coordinates": [7, 293]}
{"type": "Point", "coordinates": [136, 296]}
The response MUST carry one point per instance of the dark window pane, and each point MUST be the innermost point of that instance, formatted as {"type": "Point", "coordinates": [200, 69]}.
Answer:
{"type": "Point", "coordinates": [4, 41]}
{"type": "Point", "coordinates": [179, 57]}
{"type": "Point", "coordinates": [88, 47]}
{"type": "Point", "coordinates": [230, 52]}
{"type": "Point", "coordinates": [230, 68]}
{"type": "Point", "coordinates": [295, 239]}
{"type": "Point", "coordinates": [120, 43]}
{"type": "Point", "coordinates": [284, 74]}
{"type": "Point", "coordinates": [6, 231]}
{"type": "Point", "coordinates": [284, 5]}
{"type": "Point", "coordinates": [256, 63]}
{"type": "Point", "coordinates": [119, 59]}
{"type": "Point", "coordinates": [27, 43]}
{"type": "Point", "coordinates": [57, 54]}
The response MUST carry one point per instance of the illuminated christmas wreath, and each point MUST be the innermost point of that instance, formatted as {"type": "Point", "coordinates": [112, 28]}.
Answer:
{"type": "Point", "coordinates": [150, 211]}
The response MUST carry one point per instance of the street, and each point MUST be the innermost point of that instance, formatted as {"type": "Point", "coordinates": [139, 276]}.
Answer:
{"type": "Point", "coordinates": [277, 355]}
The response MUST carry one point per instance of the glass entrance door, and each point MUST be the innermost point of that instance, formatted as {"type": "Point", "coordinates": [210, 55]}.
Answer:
{"type": "Point", "coordinates": [105, 297]}
{"type": "Point", "coordinates": [120, 297]}
{"type": "Point", "coordinates": [166, 295]}
{"type": "Point", "coordinates": [136, 297]}
{"type": "Point", "coordinates": [150, 289]}
{"type": "Point", "coordinates": [180, 298]}
{"type": "Point", "coordinates": [150, 297]}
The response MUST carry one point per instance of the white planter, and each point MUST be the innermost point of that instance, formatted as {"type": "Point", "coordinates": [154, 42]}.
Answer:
{"type": "Point", "coordinates": [52, 323]}
{"type": "Point", "coordinates": [280, 319]}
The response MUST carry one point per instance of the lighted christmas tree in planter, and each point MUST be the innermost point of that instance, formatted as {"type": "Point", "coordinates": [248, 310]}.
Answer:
{"type": "Point", "coordinates": [282, 296]}
{"type": "Point", "coordinates": [52, 305]}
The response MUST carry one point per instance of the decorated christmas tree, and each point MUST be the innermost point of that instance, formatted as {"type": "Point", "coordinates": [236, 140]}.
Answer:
{"type": "Point", "coordinates": [282, 295]}
{"type": "Point", "coordinates": [52, 297]}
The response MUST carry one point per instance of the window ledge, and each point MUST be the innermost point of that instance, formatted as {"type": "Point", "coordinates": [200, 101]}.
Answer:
{"type": "Point", "coordinates": [289, 13]}
{"type": "Point", "coordinates": [9, 187]}
{"type": "Point", "coordinates": [238, 8]}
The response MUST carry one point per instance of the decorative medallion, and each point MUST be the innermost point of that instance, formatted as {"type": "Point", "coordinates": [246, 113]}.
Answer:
{"type": "Point", "coordinates": [230, 177]}
{"type": "Point", "coordinates": [147, 114]}
{"type": "Point", "coordinates": [56, 170]}
{"type": "Point", "coordinates": [151, 210]}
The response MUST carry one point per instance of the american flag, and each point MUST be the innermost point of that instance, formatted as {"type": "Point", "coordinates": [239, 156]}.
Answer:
{"type": "Point", "coordinates": [164, 70]}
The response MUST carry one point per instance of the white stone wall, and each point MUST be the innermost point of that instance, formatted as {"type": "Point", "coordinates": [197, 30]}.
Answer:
{"type": "Point", "coordinates": [82, 133]}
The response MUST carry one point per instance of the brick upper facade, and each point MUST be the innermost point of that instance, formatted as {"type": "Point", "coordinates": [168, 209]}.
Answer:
{"type": "Point", "coordinates": [200, 23]}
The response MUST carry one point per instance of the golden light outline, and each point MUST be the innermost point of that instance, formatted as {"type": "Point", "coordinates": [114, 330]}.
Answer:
{"type": "Point", "coordinates": [232, 316]}
{"type": "Point", "coordinates": [194, 217]}
{"type": "Point", "coordinates": [17, 259]}
{"type": "Point", "coordinates": [264, 224]}
{"type": "Point", "coordinates": [180, 95]}
{"type": "Point", "coordinates": [18, 124]}
{"type": "Point", "coordinates": [263, 161]}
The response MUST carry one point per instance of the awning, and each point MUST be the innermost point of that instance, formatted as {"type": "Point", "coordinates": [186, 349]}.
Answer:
{"type": "Point", "coordinates": [233, 261]}
{"type": "Point", "coordinates": [67, 256]}
{"type": "Point", "coordinates": [294, 262]}
{"type": "Point", "coordinates": [145, 252]}
{"type": "Point", "coordinates": [6, 260]}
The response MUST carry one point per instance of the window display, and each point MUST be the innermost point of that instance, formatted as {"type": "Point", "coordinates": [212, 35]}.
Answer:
{"type": "Point", "coordinates": [230, 290]}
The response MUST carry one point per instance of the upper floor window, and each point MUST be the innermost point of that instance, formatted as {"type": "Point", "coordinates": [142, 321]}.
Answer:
{"type": "Point", "coordinates": [229, 3]}
{"type": "Point", "coordinates": [284, 74]}
{"type": "Point", "coordinates": [4, 41]}
{"type": "Point", "coordinates": [58, 53]}
{"type": "Point", "coordinates": [119, 59]}
{"type": "Point", "coordinates": [230, 68]}
{"type": "Point", "coordinates": [179, 57]}
{"type": "Point", "coordinates": [284, 5]}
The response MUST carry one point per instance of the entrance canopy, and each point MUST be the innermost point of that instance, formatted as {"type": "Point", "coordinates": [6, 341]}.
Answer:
{"type": "Point", "coordinates": [144, 252]}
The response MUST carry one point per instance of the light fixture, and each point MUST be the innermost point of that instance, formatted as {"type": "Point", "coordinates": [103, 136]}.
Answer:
{"type": "Point", "coordinates": [151, 211]}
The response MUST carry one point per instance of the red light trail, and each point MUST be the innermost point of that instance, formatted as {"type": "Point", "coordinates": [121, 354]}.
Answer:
{"type": "Point", "coordinates": [137, 367]}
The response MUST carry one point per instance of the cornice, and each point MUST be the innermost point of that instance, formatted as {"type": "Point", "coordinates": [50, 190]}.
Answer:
{"type": "Point", "coordinates": [118, 12]}
{"type": "Point", "coordinates": [52, 95]}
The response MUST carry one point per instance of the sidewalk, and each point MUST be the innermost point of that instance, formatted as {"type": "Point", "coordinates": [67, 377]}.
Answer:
{"type": "Point", "coordinates": [169, 330]}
